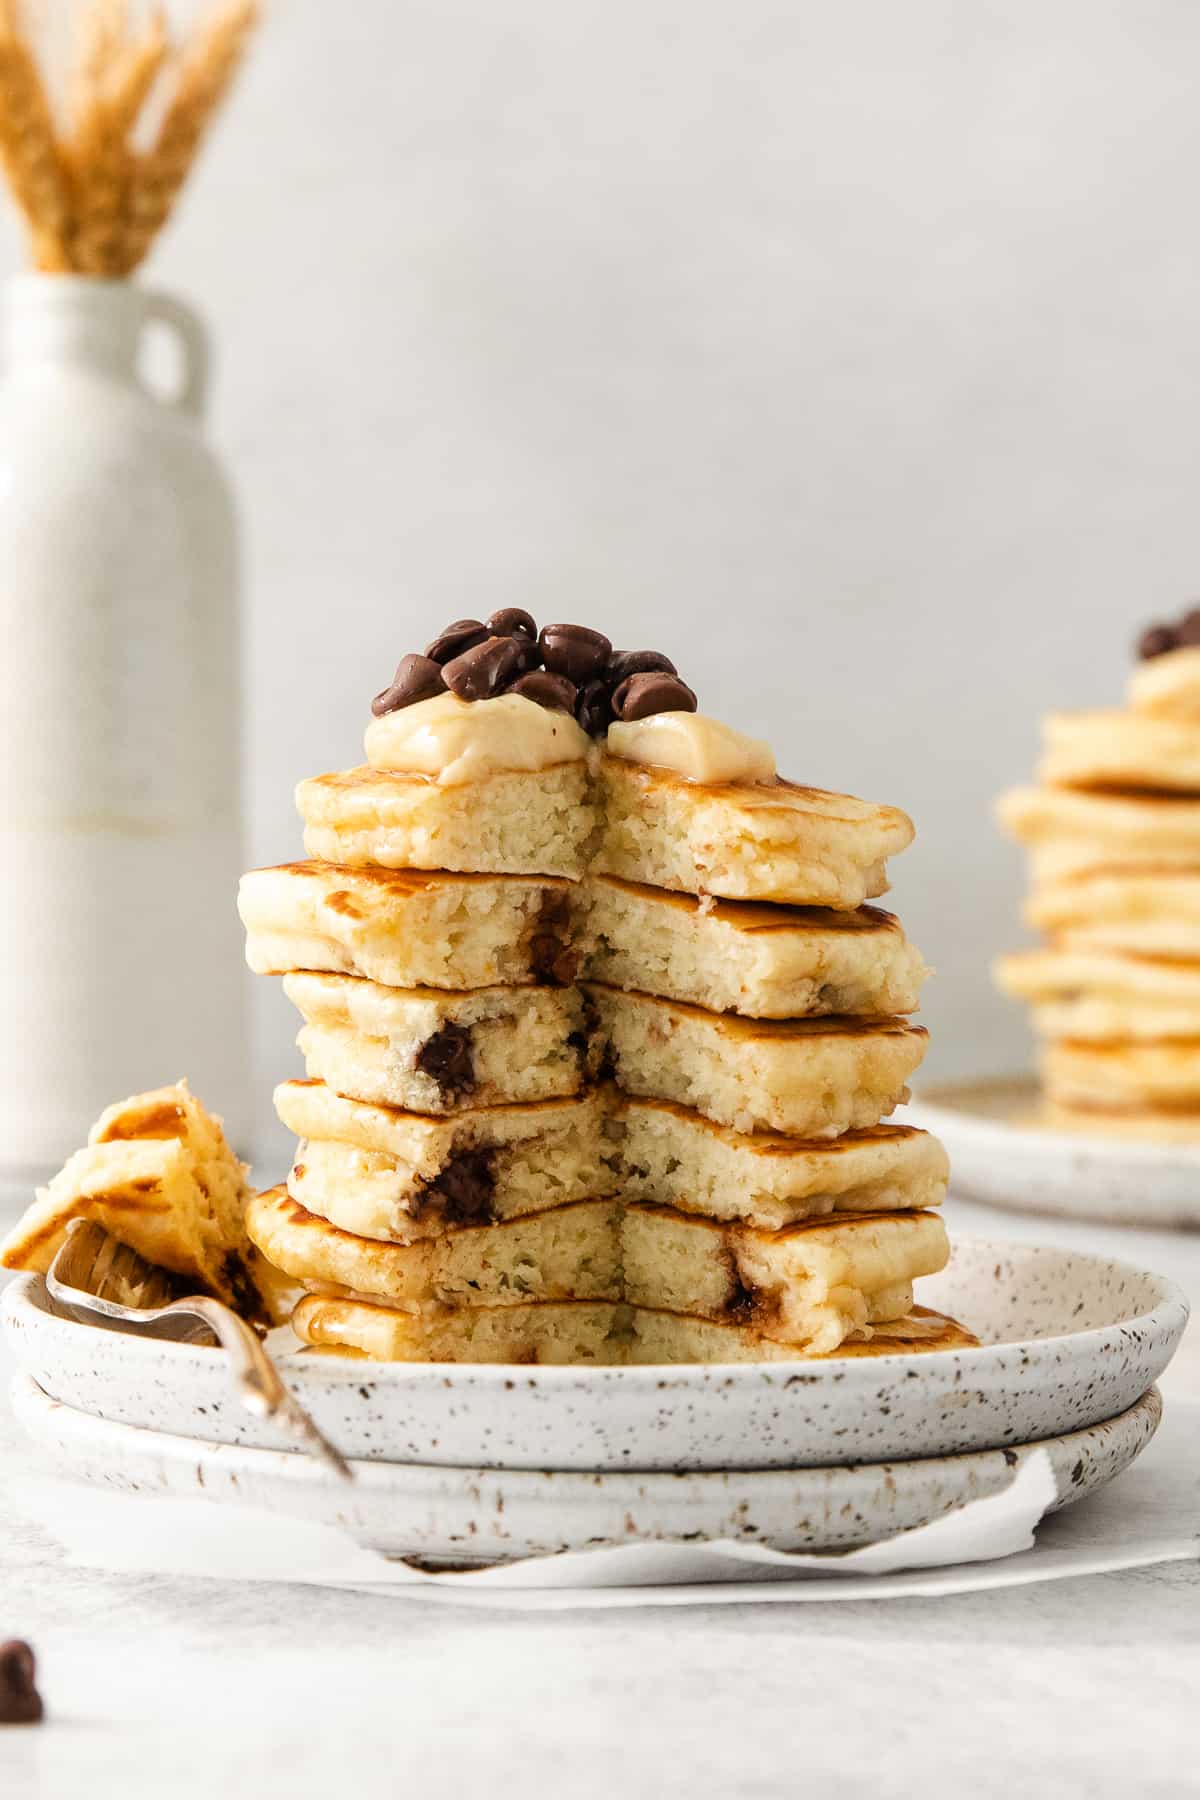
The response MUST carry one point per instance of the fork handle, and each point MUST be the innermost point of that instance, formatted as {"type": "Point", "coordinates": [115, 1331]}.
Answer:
{"type": "Point", "coordinates": [259, 1384]}
{"type": "Point", "coordinates": [260, 1387]}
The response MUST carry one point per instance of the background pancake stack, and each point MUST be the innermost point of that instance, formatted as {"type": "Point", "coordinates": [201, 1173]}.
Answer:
{"type": "Point", "coordinates": [1113, 831]}
{"type": "Point", "coordinates": [554, 1118]}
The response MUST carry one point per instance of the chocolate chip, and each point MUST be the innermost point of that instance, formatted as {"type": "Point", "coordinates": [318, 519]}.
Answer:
{"type": "Point", "coordinates": [585, 1040]}
{"type": "Point", "coordinates": [20, 1702]}
{"type": "Point", "coordinates": [593, 709]}
{"type": "Point", "coordinates": [447, 1059]}
{"type": "Point", "coordinates": [464, 634]}
{"type": "Point", "coordinates": [624, 663]}
{"type": "Point", "coordinates": [552, 959]}
{"type": "Point", "coordinates": [1156, 641]}
{"type": "Point", "coordinates": [530, 653]}
{"type": "Point", "coordinates": [1187, 632]}
{"type": "Point", "coordinates": [416, 678]}
{"type": "Point", "coordinates": [642, 695]}
{"type": "Point", "coordinates": [575, 651]}
{"type": "Point", "coordinates": [486, 669]}
{"type": "Point", "coordinates": [743, 1302]}
{"type": "Point", "coordinates": [554, 691]}
{"type": "Point", "coordinates": [462, 1191]}
{"type": "Point", "coordinates": [511, 621]}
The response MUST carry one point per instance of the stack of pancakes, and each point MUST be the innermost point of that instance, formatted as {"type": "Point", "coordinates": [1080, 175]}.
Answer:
{"type": "Point", "coordinates": [597, 1062]}
{"type": "Point", "coordinates": [1113, 830]}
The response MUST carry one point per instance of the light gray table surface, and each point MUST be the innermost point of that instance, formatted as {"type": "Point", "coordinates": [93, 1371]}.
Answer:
{"type": "Point", "coordinates": [194, 1688]}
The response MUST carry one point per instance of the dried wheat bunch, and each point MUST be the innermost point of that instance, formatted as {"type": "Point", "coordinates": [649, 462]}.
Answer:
{"type": "Point", "coordinates": [94, 200]}
{"type": "Point", "coordinates": [100, 161]}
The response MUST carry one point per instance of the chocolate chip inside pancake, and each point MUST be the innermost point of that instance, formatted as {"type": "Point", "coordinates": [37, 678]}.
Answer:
{"type": "Point", "coordinates": [553, 958]}
{"type": "Point", "coordinates": [462, 1193]}
{"type": "Point", "coordinates": [447, 1059]}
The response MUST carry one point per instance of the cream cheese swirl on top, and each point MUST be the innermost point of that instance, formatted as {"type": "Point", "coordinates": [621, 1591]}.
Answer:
{"type": "Point", "coordinates": [699, 748]}
{"type": "Point", "coordinates": [453, 741]}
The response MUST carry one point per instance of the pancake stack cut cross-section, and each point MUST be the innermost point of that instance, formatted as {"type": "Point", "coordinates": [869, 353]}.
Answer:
{"type": "Point", "coordinates": [1113, 834]}
{"type": "Point", "coordinates": [601, 1033]}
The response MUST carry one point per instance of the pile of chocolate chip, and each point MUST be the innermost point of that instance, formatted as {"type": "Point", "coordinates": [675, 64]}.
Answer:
{"type": "Point", "coordinates": [1158, 639]}
{"type": "Point", "coordinates": [568, 668]}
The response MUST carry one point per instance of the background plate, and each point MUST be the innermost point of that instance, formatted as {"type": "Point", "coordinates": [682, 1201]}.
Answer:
{"type": "Point", "coordinates": [999, 1154]}
{"type": "Point", "coordinates": [468, 1514]}
{"type": "Point", "coordinates": [1069, 1340]}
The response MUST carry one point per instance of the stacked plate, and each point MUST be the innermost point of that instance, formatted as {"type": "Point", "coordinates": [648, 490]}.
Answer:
{"type": "Point", "coordinates": [480, 1462]}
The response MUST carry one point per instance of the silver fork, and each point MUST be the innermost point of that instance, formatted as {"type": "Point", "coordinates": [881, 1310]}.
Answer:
{"type": "Point", "coordinates": [99, 1281]}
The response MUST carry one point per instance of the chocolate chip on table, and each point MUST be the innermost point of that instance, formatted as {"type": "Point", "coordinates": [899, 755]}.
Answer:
{"type": "Point", "coordinates": [486, 669]}
{"type": "Point", "coordinates": [553, 691]}
{"type": "Point", "coordinates": [593, 709]}
{"type": "Point", "coordinates": [20, 1702]}
{"type": "Point", "coordinates": [447, 1059]}
{"type": "Point", "coordinates": [416, 678]}
{"type": "Point", "coordinates": [575, 651]}
{"type": "Point", "coordinates": [512, 621]}
{"type": "Point", "coordinates": [1156, 641]}
{"type": "Point", "coordinates": [464, 634]}
{"type": "Point", "coordinates": [641, 696]}
{"type": "Point", "coordinates": [624, 663]}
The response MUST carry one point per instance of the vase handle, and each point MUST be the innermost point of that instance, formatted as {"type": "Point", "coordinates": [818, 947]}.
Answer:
{"type": "Point", "coordinates": [164, 309]}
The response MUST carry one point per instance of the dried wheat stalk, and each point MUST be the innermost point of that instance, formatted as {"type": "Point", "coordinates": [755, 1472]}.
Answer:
{"type": "Point", "coordinates": [204, 76]}
{"type": "Point", "coordinates": [29, 149]}
{"type": "Point", "coordinates": [101, 30]}
{"type": "Point", "coordinates": [93, 202]}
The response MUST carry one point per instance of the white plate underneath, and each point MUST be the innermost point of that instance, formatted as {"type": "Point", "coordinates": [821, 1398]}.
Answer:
{"type": "Point", "coordinates": [1069, 1339]}
{"type": "Point", "coordinates": [484, 1514]}
{"type": "Point", "coordinates": [1000, 1154]}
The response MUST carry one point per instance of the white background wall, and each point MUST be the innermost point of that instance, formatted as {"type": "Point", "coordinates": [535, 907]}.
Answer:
{"type": "Point", "coordinates": [848, 352]}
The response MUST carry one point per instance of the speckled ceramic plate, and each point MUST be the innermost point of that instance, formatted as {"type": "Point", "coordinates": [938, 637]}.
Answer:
{"type": "Point", "coordinates": [1068, 1340]}
{"type": "Point", "coordinates": [485, 1514]}
{"type": "Point", "coordinates": [1000, 1154]}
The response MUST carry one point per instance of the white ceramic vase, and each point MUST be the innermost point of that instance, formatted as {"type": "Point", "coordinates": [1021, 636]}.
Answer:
{"type": "Point", "coordinates": [119, 758]}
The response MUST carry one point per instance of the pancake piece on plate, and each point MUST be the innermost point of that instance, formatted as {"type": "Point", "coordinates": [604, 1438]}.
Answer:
{"type": "Point", "coordinates": [1073, 832]}
{"type": "Point", "coordinates": [407, 927]}
{"type": "Point", "coordinates": [764, 961]}
{"type": "Point", "coordinates": [383, 1172]}
{"type": "Point", "coordinates": [1159, 1076]}
{"type": "Point", "coordinates": [810, 1284]}
{"type": "Point", "coordinates": [1151, 912]}
{"type": "Point", "coordinates": [433, 1050]}
{"type": "Point", "coordinates": [1121, 750]}
{"type": "Point", "coordinates": [673, 1155]}
{"type": "Point", "coordinates": [157, 1174]}
{"type": "Point", "coordinates": [808, 1077]}
{"type": "Point", "coordinates": [769, 840]}
{"type": "Point", "coordinates": [567, 1252]}
{"type": "Point", "coordinates": [1104, 995]}
{"type": "Point", "coordinates": [582, 1331]}
{"type": "Point", "coordinates": [513, 823]}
